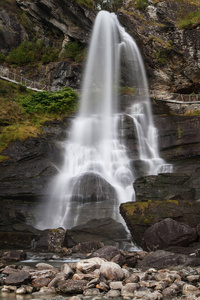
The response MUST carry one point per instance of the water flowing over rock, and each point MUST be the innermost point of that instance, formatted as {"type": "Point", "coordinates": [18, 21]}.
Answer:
{"type": "Point", "coordinates": [95, 152]}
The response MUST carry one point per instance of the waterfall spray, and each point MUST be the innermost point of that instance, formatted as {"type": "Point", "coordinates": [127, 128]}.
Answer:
{"type": "Point", "coordinates": [97, 175]}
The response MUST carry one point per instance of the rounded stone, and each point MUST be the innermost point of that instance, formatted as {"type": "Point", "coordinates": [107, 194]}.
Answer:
{"type": "Point", "coordinates": [111, 271]}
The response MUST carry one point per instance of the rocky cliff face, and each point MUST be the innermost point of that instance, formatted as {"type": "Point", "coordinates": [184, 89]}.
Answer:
{"type": "Point", "coordinates": [171, 54]}
{"type": "Point", "coordinates": [68, 17]}
{"type": "Point", "coordinates": [54, 22]}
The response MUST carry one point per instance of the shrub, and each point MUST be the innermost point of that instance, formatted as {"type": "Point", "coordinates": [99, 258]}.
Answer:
{"type": "Point", "coordinates": [22, 55]}
{"type": "Point", "coordinates": [22, 88]}
{"type": "Point", "coordinates": [141, 4]}
{"type": "Point", "coordinates": [87, 3]}
{"type": "Point", "coordinates": [32, 51]}
{"type": "Point", "coordinates": [60, 102]}
{"type": "Point", "coordinates": [190, 20]}
{"type": "Point", "coordinates": [2, 57]}
{"type": "Point", "coordinates": [74, 51]}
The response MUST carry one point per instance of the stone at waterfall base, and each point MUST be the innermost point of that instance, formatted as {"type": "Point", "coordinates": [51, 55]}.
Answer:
{"type": "Point", "coordinates": [157, 275]}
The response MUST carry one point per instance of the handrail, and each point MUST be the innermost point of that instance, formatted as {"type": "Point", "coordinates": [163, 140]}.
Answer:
{"type": "Point", "coordinates": [7, 74]}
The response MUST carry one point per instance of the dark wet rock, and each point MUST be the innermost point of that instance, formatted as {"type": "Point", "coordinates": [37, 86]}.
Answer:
{"type": "Point", "coordinates": [92, 188]}
{"type": "Point", "coordinates": [10, 269]}
{"type": "Point", "coordinates": [164, 259]}
{"type": "Point", "coordinates": [169, 233]}
{"type": "Point", "coordinates": [27, 172]}
{"type": "Point", "coordinates": [120, 260]}
{"type": "Point", "coordinates": [163, 187]}
{"type": "Point", "coordinates": [107, 252]}
{"type": "Point", "coordinates": [16, 240]}
{"type": "Point", "coordinates": [55, 239]}
{"type": "Point", "coordinates": [39, 282]}
{"type": "Point", "coordinates": [180, 139]}
{"type": "Point", "coordinates": [131, 259]}
{"type": "Point", "coordinates": [72, 286]}
{"type": "Point", "coordinates": [139, 216]}
{"type": "Point", "coordinates": [106, 230]}
{"type": "Point", "coordinates": [87, 247]}
{"type": "Point", "coordinates": [16, 255]}
{"type": "Point", "coordinates": [18, 278]}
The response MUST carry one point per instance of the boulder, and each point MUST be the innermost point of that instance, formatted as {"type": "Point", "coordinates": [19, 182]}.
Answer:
{"type": "Point", "coordinates": [129, 289]}
{"type": "Point", "coordinates": [111, 271]}
{"type": "Point", "coordinates": [163, 259]}
{"type": "Point", "coordinates": [106, 230]}
{"type": "Point", "coordinates": [43, 266]}
{"type": "Point", "coordinates": [55, 239]}
{"type": "Point", "coordinates": [139, 216]}
{"type": "Point", "coordinates": [107, 252]}
{"type": "Point", "coordinates": [89, 265]}
{"type": "Point", "coordinates": [18, 278]}
{"type": "Point", "coordinates": [72, 286]}
{"type": "Point", "coordinates": [16, 255]}
{"type": "Point", "coordinates": [65, 268]}
{"type": "Point", "coordinates": [168, 233]}
{"type": "Point", "coordinates": [39, 282]}
{"type": "Point", "coordinates": [87, 247]}
{"type": "Point", "coordinates": [92, 188]}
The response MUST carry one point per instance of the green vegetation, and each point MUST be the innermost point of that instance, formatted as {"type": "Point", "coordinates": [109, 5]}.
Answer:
{"type": "Point", "coordinates": [193, 113]}
{"type": "Point", "coordinates": [32, 51]}
{"type": "Point", "coordinates": [9, 5]}
{"type": "Point", "coordinates": [74, 51]}
{"type": "Point", "coordinates": [161, 55]}
{"type": "Point", "coordinates": [110, 5]}
{"type": "Point", "coordinates": [87, 3]}
{"type": "Point", "coordinates": [23, 112]}
{"type": "Point", "coordinates": [190, 20]}
{"type": "Point", "coordinates": [127, 90]}
{"type": "Point", "coordinates": [141, 4]}
{"type": "Point", "coordinates": [60, 102]}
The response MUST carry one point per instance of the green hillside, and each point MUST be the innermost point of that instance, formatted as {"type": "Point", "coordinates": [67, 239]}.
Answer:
{"type": "Point", "coordinates": [23, 112]}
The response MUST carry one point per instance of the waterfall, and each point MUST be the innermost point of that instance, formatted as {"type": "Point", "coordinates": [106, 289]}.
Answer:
{"type": "Point", "coordinates": [97, 173]}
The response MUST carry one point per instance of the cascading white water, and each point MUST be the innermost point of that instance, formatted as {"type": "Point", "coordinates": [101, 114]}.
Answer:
{"type": "Point", "coordinates": [95, 154]}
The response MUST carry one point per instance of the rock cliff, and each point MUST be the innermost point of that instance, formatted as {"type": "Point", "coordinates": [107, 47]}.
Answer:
{"type": "Point", "coordinates": [171, 54]}
{"type": "Point", "coordinates": [172, 59]}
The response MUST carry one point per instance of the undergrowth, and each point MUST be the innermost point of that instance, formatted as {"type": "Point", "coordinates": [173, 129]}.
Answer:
{"type": "Point", "coordinates": [23, 112]}
{"type": "Point", "coordinates": [190, 20]}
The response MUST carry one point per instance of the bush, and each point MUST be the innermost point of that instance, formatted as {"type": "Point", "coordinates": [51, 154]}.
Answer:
{"type": "Point", "coordinates": [34, 51]}
{"type": "Point", "coordinates": [87, 3]}
{"type": "Point", "coordinates": [60, 102]}
{"type": "Point", "coordinates": [141, 4]}
{"type": "Point", "coordinates": [190, 20]}
{"type": "Point", "coordinates": [2, 57]}
{"type": "Point", "coordinates": [74, 51]}
{"type": "Point", "coordinates": [22, 88]}
{"type": "Point", "coordinates": [22, 55]}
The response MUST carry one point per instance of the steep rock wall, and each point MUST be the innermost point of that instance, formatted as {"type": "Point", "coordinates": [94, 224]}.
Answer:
{"type": "Point", "coordinates": [171, 55]}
